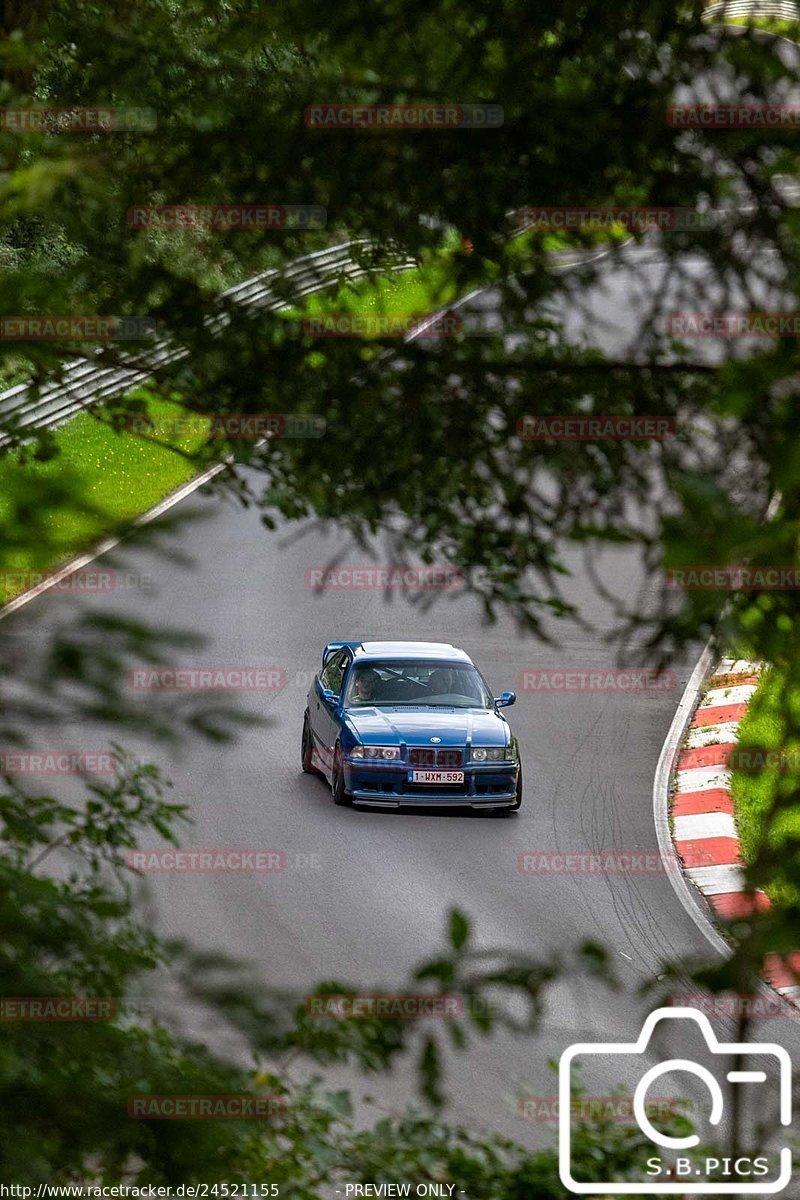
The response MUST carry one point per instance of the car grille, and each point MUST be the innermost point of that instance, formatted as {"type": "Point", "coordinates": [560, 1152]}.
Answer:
{"type": "Point", "coordinates": [421, 756]}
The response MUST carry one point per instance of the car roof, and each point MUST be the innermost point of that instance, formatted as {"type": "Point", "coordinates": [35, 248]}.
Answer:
{"type": "Point", "coordinates": [423, 650]}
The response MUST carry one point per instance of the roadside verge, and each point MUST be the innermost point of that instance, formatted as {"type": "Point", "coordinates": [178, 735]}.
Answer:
{"type": "Point", "coordinates": [694, 806]}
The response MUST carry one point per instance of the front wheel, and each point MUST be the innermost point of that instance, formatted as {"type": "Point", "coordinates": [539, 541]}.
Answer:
{"type": "Point", "coordinates": [340, 796]}
{"type": "Point", "coordinates": [307, 749]}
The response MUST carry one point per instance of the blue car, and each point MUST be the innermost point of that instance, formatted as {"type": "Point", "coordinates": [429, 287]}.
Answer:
{"type": "Point", "coordinates": [391, 724]}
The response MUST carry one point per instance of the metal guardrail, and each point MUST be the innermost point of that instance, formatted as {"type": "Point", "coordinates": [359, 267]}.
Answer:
{"type": "Point", "coordinates": [781, 10]}
{"type": "Point", "coordinates": [83, 383]}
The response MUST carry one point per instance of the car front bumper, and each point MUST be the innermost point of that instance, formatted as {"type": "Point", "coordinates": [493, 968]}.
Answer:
{"type": "Point", "coordinates": [485, 786]}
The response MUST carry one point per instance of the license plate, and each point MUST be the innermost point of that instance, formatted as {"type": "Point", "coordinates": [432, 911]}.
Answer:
{"type": "Point", "coordinates": [437, 776]}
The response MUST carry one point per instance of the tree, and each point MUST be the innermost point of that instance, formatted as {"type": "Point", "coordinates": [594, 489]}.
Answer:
{"type": "Point", "coordinates": [67, 1085]}
{"type": "Point", "coordinates": [584, 90]}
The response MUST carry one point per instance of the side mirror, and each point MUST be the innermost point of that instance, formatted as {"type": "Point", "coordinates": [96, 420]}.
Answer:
{"type": "Point", "coordinates": [330, 697]}
{"type": "Point", "coordinates": [505, 699]}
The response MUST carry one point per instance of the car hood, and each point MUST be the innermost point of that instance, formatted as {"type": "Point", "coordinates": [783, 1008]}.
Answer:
{"type": "Point", "coordinates": [416, 726]}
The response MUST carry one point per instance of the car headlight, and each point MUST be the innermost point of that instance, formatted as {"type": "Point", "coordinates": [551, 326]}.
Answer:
{"type": "Point", "coordinates": [489, 754]}
{"type": "Point", "coordinates": [373, 752]}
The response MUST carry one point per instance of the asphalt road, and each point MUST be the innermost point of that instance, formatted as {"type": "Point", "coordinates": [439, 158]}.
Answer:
{"type": "Point", "coordinates": [364, 895]}
{"type": "Point", "coordinates": [376, 903]}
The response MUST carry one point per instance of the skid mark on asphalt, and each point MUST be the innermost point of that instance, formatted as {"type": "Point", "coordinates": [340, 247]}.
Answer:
{"type": "Point", "coordinates": [630, 896]}
{"type": "Point", "coordinates": [588, 781]}
{"type": "Point", "coordinates": [567, 785]}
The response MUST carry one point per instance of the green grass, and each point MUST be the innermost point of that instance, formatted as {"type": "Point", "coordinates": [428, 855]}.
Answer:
{"type": "Point", "coordinates": [518, 248]}
{"type": "Point", "coordinates": [408, 294]}
{"type": "Point", "coordinates": [120, 475]}
{"type": "Point", "coordinates": [755, 795]}
{"type": "Point", "coordinates": [432, 286]}
{"type": "Point", "coordinates": [787, 29]}
{"type": "Point", "coordinates": [117, 476]}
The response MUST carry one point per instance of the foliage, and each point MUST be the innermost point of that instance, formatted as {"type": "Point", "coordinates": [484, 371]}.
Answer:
{"type": "Point", "coordinates": [584, 88]}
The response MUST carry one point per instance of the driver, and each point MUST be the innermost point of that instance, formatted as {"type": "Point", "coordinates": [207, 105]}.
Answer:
{"type": "Point", "coordinates": [441, 682]}
{"type": "Point", "coordinates": [366, 686]}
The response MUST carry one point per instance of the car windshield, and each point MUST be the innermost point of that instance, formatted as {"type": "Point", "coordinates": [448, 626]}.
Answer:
{"type": "Point", "coordinates": [450, 685]}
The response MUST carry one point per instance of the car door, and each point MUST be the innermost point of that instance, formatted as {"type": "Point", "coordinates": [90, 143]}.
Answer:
{"type": "Point", "coordinates": [324, 723]}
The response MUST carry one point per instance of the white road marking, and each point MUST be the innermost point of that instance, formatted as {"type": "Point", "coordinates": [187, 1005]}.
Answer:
{"type": "Point", "coordinates": [704, 825]}
{"type": "Point", "coordinates": [743, 667]}
{"type": "Point", "coordinates": [712, 735]}
{"type": "Point", "coordinates": [718, 880]}
{"type": "Point", "coordinates": [703, 779]}
{"type": "Point", "coordinates": [739, 694]}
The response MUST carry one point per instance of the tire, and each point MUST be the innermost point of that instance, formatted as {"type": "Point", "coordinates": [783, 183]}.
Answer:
{"type": "Point", "coordinates": [512, 808]}
{"type": "Point", "coordinates": [307, 749]}
{"type": "Point", "coordinates": [340, 796]}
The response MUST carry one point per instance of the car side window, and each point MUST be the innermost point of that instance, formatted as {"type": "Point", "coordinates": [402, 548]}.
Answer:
{"type": "Point", "coordinates": [331, 678]}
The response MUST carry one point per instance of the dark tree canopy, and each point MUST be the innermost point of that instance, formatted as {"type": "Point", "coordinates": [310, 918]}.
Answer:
{"type": "Point", "coordinates": [584, 89]}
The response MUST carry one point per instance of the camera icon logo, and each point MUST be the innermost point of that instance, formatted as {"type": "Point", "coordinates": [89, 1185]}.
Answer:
{"type": "Point", "coordinates": [691, 1177]}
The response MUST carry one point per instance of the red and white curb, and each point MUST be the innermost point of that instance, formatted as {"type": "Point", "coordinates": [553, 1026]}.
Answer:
{"type": "Point", "coordinates": [703, 821]}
